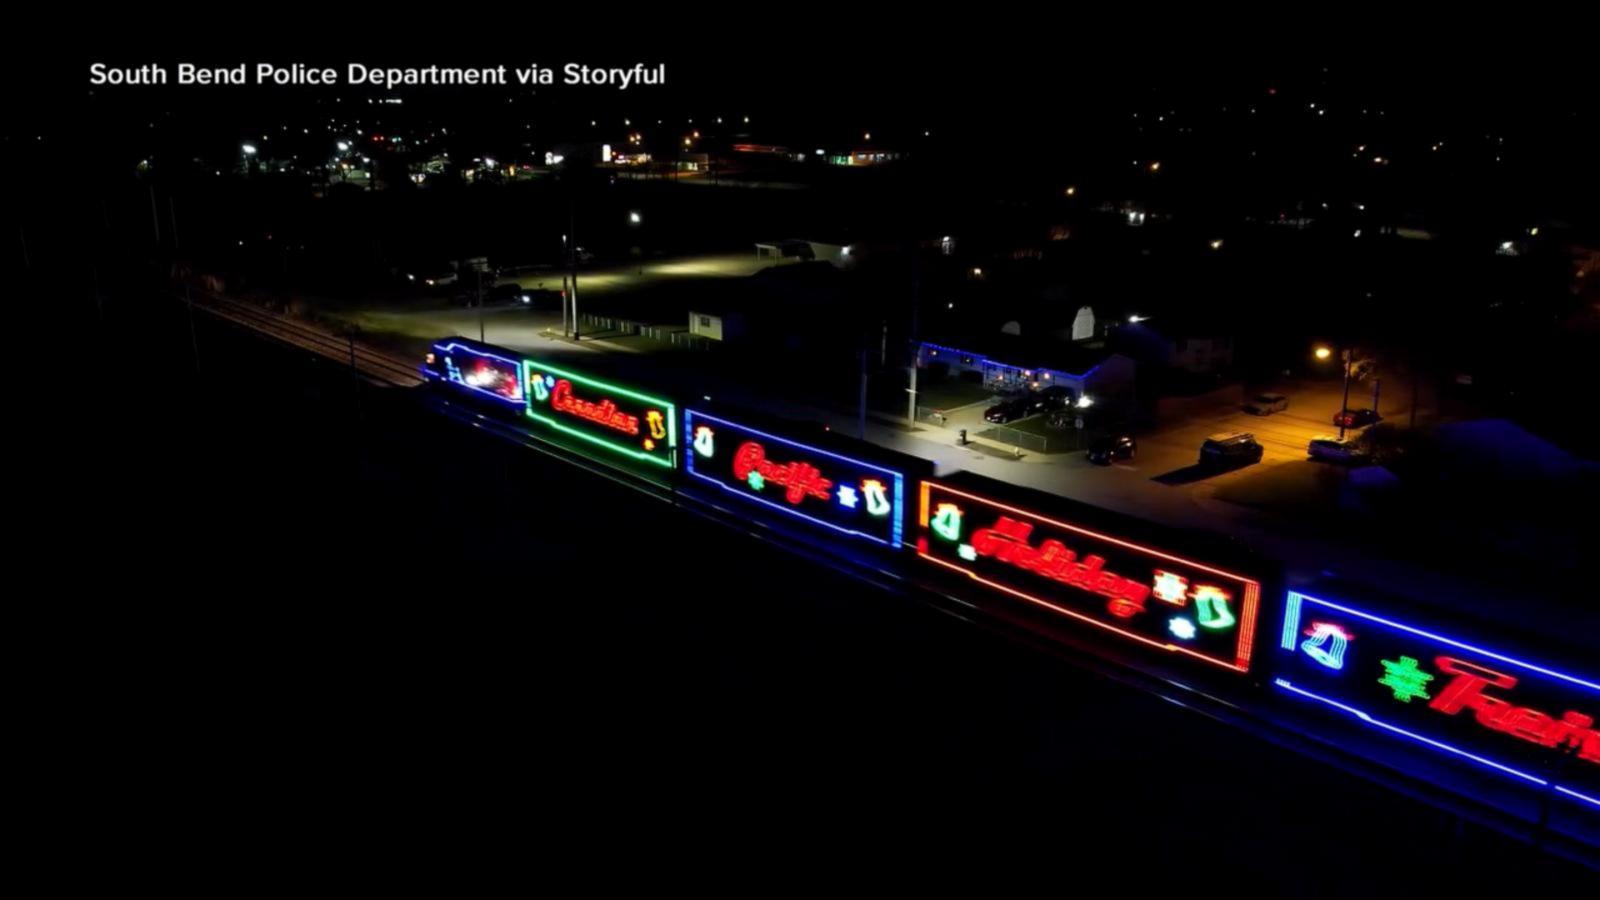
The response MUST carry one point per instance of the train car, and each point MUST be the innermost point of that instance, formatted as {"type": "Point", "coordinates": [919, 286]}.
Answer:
{"type": "Point", "coordinates": [1127, 588]}
{"type": "Point", "coordinates": [1358, 670]}
{"type": "Point", "coordinates": [600, 417]}
{"type": "Point", "coordinates": [834, 486]}
{"type": "Point", "coordinates": [1472, 702]}
{"type": "Point", "coordinates": [482, 374]}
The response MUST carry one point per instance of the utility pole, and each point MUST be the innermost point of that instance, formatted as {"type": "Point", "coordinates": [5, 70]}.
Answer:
{"type": "Point", "coordinates": [155, 215]}
{"type": "Point", "coordinates": [861, 415]}
{"type": "Point", "coordinates": [572, 262]}
{"type": "Point", "coordinates": [1414, 390]}
{"type": "Point", "coordinates": [1344, 407]}
{"type": "Point", "coordinates": [478, 280]}
{"type": "Point", "coordinates": [916, 348]}
{"type": "Point", "coordinates": [194, 341]}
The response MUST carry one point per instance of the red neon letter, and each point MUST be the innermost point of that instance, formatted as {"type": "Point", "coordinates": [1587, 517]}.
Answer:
{"type": "Point", "coordinates": [1466, 690]}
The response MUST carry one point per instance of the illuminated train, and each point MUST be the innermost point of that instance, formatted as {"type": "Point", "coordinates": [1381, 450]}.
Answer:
{"type": "Point", "coordinates": [1351, 668]}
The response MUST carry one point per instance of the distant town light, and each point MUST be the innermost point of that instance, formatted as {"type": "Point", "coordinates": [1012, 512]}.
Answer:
{"type": "Point", "coordinates": [867, 136]}
{"type": "Point", "coordinates": [343, 146]}
{"type": "Point", "coordinates": [1072, 190]}
{"type": "Point", "coordinates": [249, 149]}
{"type": "Point", "coordinates": [1136, 319]}
{"type": "Point", "coordinates": [977, 272]}
{"type": "Point", "coordinates": [1085, 401]}
{"type": "Point", "coordinates": [1216, 244]}
{"type": "Point", "coordinates": [1155, 167]}
{"type": "Point", "coordinates": [634, 217]}
{"type": "Point", "coordinates": [1322, 352]}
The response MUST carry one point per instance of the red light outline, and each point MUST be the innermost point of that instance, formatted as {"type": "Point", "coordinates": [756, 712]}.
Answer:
{"type": "Point", "coordinates": [1247, 617]}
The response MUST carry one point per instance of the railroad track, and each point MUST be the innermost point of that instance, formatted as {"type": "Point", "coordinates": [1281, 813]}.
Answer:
{"type": "Point", "coordinates": [372, 364]}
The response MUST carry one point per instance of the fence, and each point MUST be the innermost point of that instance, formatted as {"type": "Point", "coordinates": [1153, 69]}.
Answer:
{"type": "Point", "coordinates": [666, 334]}
{"type": "Point", "coordinates": [1058, 442]}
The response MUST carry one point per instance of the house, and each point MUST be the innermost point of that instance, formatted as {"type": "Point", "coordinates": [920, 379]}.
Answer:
{"type": "Point", "coordinates": [1004, 363]}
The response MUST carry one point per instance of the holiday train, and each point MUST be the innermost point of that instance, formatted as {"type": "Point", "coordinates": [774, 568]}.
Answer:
{"type": "Point", "coordinates": [1180, 603]}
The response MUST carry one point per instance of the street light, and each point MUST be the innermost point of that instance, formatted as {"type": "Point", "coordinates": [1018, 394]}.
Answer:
{"type": "Point", "coordinates": [1323, 352]}
{"type": "Point", "coordinates": [634, 218]}
{"type": "Point", "coordinates": [249, 149]}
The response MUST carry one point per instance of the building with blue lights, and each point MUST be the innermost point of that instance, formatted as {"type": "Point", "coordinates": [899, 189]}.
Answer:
{"type": "Point", "coordinates": [1005, 364]}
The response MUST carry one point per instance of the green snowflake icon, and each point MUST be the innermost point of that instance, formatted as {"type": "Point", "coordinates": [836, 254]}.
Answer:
{"type": "Point", "coordinates": [1405, 679]}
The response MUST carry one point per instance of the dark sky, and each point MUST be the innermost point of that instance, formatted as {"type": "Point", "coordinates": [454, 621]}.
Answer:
{"type": "Point", "coordinates": [825, 65]}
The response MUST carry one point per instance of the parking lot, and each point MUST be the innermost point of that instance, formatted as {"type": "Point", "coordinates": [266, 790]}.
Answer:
{"type": "Point", "coordinates": [1283, 435]}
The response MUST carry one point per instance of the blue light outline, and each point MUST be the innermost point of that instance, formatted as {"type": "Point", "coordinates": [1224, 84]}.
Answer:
{"type": "Point", "coordinates": [1368, 718]}
{"type": "Point", "coordinates": [985, 358]}
{"type": "Point", "coordinates": [522, 382]}
{"type": "Point", "coordinates": [899, 480]}
{"type": "Point", "coordinates": [1295, 596]}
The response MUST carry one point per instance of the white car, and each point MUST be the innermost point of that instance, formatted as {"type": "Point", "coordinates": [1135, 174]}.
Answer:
{"type": "Point", "coordinates": [1328, 448]}
{"type": "Point", "coordinates": [1267, 404]}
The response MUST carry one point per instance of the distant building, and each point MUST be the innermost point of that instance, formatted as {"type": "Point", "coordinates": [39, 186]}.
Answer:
{"type": "Point", "coordinates": [724, 325]}
{"type": "Point", "coordinates": [864, 157]}
{"type": "Point", "coordinates": [1006, 363]}
{"type": "Point", "coordinates": [1191, 347]}
{"type": "Point", "coordinates": [790, 249]}
{"type": "Point", "coordinates": [762, 150]}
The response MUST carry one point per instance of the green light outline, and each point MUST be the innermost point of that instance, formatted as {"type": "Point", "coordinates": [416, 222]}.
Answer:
{"type": "Point", "coordinates": [670, 409]}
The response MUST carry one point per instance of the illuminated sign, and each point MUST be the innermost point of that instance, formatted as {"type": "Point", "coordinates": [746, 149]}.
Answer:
{"type": "Point", "coordinates": [845, 495]}
{"type": "Point", "coordinates": [624, 421]}
{"type": "Point", "coordinates": [1136, 591]}
{"type": "Point", "coordinates": [1509, 715]}
{"type": "Point", "coordinates": [499, 377]}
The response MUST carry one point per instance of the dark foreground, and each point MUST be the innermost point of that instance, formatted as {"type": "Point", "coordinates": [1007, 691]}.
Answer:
{"type": "Point", "coordinates": [315, 622]}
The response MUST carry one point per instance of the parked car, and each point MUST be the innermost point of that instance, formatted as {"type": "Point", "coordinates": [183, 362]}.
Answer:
{"type": "Point", "coordinates": [511, 293]}
{"type": "Point", "coordinates": [1108, 448]}
{"type": "Point", "coordinates": [1009, 410]}
{"type": "Point", "coordinates": [1054, 397]}
{"type": "Point", "coordinates": [1266, 404]}
{"type": "Point", "coordinates": [1230, 448]}
{"type": "Point", "coordinates": [542, 298]}
{"type": "Point", "coordinates": [433, 277]}
{"type": "Point", "coordinates": [1356, 418]}
{"type": "Point", "coordinates": [1328, 448]}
